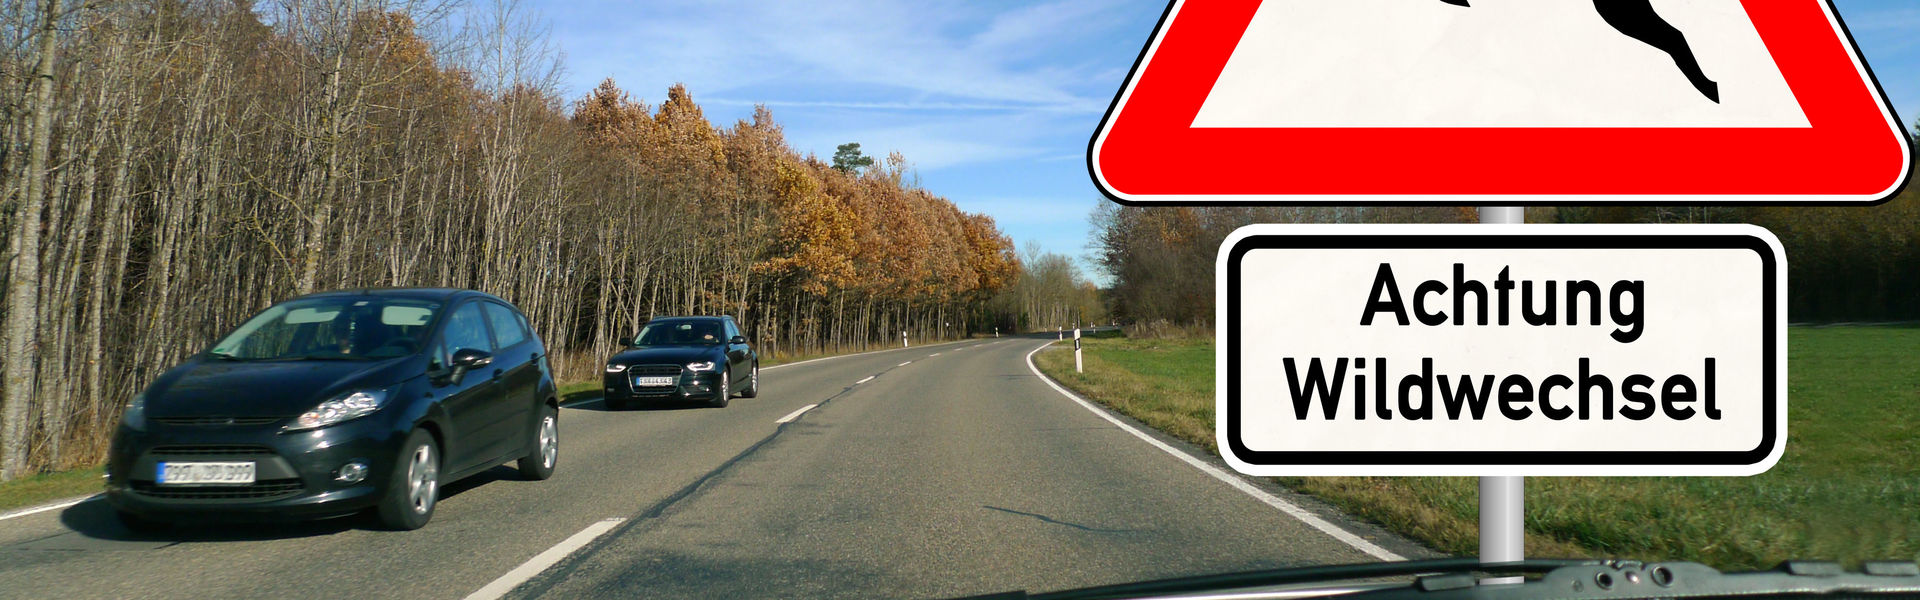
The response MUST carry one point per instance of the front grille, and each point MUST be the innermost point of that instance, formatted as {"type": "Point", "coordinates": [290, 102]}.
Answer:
{"type": "Point", "coordinates": [215, 421]}
{"type": "Point", "coordinates": [258, 490]}
{"type": "Point", "coordinates": [203, 450]}
{"type": "Point", "coordinates": [653, 370]}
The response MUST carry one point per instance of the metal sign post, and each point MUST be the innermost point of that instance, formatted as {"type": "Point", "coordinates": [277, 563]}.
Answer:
{"type": "Point", "coordinates": [1503, 536]}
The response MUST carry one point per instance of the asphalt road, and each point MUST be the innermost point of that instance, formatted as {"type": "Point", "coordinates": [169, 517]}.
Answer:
{"type": "Point", "coordinates": [925, 472]}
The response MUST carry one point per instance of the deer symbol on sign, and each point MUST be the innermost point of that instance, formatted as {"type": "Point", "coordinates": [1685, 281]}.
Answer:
{"type": "Point", "coordinates": [1637, 19]}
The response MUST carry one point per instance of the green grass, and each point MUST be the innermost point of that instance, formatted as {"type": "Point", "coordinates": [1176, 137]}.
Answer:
{"type": "Point", "coordinates": [48, 487]}
{"type": "Point", "coordinates": [1847, 488]}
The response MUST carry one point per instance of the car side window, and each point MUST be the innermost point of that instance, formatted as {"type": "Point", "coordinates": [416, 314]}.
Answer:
{"type": "Point", "coordinates": [438, 357]}
{"type": "Point", "coordinates": [466, 329]}
{"type": "Point", "coordinates": [506, 329]}
{"type": "Point", "coordinates": [524, 325]}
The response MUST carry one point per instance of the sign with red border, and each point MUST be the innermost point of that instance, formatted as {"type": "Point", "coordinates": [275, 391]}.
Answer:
{"type": "Point", "coordinates": [1154, 146]}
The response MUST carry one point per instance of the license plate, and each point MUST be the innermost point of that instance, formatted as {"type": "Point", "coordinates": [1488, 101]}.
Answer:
{"type": "Point", "coordinates": [188, 473]}
{"type": "Point", "coordinates": [659, 381]}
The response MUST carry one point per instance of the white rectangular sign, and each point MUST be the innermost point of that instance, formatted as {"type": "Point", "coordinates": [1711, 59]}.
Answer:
{"type": "Point", "coordinates": [1501, 350]}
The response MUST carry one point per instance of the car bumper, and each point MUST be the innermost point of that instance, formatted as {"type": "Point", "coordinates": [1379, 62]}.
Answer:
{"type": "Point", "coordinates": [294, 472]}
{"type": "Point", "coordinates": [689, 385]}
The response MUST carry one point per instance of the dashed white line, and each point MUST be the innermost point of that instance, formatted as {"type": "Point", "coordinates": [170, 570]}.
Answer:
{"type": "Point", "coordinates": [539, 563]}
{"type": "Point", "coordinates": [904, 364]}
{"type": "Point", "coordinates": [1291, 509]}
{"type": "Point", "coordinates": [869, 378]}
{"type": "Point", "coordinates": [795, 414]}
{"type": "Point", "coordinates": [933, 355]}
{"type": "Point", "coordinates": [57, 505]}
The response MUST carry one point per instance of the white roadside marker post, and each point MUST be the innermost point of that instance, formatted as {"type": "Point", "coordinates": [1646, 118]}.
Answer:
{"type": "Point", "coordinates": [903, 339]}
{"type": "Point", "coordinates": [1503, 535]}
{"type": "Point", "coordinates": [1076, 351]}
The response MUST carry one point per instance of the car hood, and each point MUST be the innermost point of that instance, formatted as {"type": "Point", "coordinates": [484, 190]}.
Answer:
{"type": "Point", "coordinates": [204, 387]}
{"type": "Point", "coordinates": [668, 355]}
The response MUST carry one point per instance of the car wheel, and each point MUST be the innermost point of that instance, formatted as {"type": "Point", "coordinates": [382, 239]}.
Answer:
{"type": "Point", "coordinates": [753, 383]}
{"type": "Point", "coordinates": [723, 393]}
{"type": "Point", "coordinates": [414, 487]}
{"type": "Point", "coordinates": [138, 524]}
{"type": "Point", "coordinates": [538, 464]}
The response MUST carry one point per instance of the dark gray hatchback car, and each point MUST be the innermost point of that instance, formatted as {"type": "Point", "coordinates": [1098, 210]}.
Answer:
{"type": "Point", "coordinates": [337, 403]}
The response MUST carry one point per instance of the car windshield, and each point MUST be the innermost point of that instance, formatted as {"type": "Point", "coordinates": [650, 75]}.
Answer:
{"type": "Point", "coordinates": [339, 328]}
{"type": "Point", "coordinates": [681, 332]}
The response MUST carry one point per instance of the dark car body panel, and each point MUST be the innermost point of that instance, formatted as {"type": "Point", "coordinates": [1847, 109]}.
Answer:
{"type": "Point", "coordinates": [208, 409]}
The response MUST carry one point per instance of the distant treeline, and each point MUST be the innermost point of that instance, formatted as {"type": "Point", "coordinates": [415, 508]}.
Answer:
{"type": "Point", "coordinates": [170, 167]}
{"type": "Point", "coordinates": [1844, 263]}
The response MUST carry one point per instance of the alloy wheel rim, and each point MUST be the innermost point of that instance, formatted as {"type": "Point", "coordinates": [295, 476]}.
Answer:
{"type": "Point", "coordinates": [422, 479]}
{"type": "Point", "coordinates": [549, 441]}
{"type": "Point", "coordinates": [756, 377]}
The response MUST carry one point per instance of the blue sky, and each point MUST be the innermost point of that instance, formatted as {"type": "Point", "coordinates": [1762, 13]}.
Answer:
{"type": "Point", "coordinates": [993, 102]}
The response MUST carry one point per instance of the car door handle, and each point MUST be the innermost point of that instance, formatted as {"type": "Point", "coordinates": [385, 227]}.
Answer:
{"type": "Point", "coordinates": [497, 373]}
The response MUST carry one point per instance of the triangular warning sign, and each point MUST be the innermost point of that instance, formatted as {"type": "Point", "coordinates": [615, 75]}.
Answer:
{"type": "Point", "coordinates": [1500, 101]}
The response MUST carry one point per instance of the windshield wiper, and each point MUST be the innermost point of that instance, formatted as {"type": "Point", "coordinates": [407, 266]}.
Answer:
{"type": "Point", "coordinates": [1456, 579]}
{"type": "Point", "coordinates": [1317, 575]}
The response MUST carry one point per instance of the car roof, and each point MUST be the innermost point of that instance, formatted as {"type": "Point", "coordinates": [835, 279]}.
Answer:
{"type": "Point", "coordinates": [411, 293]}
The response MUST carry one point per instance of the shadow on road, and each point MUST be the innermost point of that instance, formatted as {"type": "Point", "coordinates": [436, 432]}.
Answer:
{"type": "Point", "coordinates": [597, 404]}
{"type": "Point", "coordinates": [94, 519]}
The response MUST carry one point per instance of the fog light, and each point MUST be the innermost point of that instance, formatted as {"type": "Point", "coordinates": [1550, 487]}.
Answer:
{"type": "Point", "coordinates": [351, 472]}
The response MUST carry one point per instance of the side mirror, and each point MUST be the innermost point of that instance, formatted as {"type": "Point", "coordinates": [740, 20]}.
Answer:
{"type": "Point", "coordinates": [468, 358]}
{"type": "Point", "coordinates": [738, 339]}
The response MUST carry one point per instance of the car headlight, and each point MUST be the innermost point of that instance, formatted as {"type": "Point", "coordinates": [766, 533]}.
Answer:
{"type": "Point", "coordinates": [616, 368]}
{"type": "Point", "coordinates": [700, 366]}
{"type": "Point", "coordinates": [345, 408]}
{"type": "Point", "coordinates": [135, 417]}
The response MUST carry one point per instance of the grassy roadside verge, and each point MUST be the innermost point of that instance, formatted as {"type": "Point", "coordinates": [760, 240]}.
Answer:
{"type": "Point", "coordinates": [47, 487]}
{"type": "Point", "coordinates": [1848, 487]}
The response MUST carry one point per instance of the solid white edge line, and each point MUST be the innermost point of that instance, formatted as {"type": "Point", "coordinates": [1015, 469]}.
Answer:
{"type": "Point", "coordinates": [795, 414]}
{"type": "Point", "coordinates": [904, 364]}
{"type": "Point", "coordinates": [541, 562]}
{"type": "Point", "coordinates": [1289, 508]}
{"type": "Point", "coordinates": [869, 378]}
{"type": "Point", "coordinates": [933, 355]}
{"type": "Point", "coordinates": [55, 505]}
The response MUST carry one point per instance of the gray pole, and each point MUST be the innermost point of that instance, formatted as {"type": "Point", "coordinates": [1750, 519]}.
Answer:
{"type": "Point", "coordinates": [1503, 499]}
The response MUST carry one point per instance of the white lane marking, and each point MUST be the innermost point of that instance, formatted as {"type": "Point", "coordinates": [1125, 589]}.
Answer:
{"type": "Point", "coordinates": [1230, 479]}
{"type": "Point", "coordinates": [933, 355]}
{"type": "Point", "coordinates": [544, 560]}
{"type": "Point", "coordinates": [861, 353]}
{"type": "Point", "coordinates": [55, 505]}
{"type": "Point", "coordinates": [796, 414]}
{"type": "Point", "coordinates": [580, 403]}
{"type": "Point", "coordinates": [869, 378]}
{"type": "Point", "coordinates": [904, 364]}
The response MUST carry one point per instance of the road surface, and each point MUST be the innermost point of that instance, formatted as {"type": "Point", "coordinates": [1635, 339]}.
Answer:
{"type": "Point", "coordinates": [923, 472]}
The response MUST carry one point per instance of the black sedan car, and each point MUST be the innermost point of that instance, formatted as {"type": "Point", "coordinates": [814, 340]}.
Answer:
{"type": "Point", "coordinates": [337, 403]}
{"type": "Point", "coordinates": [683, 358]}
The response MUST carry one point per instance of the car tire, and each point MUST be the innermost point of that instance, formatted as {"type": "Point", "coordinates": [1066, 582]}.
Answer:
{"type": "Point", "coordinates": [724, 393]}
{"type": "Point", "coordinates": [413, 488]}
{"type": "Point", "coordinates": [753, 383]}
{"type": "Point", "coordinates": [538, 465]}
{"type": "Point", "coordinates": [139, 524]}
